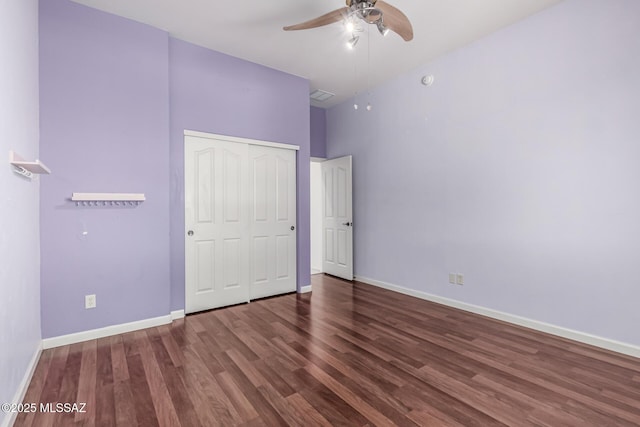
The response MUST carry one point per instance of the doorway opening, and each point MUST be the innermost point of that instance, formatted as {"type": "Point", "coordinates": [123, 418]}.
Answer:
{"type": "Point", "coordinates": [316, 215]}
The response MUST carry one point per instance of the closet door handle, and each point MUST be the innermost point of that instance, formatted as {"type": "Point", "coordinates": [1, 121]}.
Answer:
{"type": "Point", "coordinates": [293, 227]}
{"type": "Point", "coordinates": [190, 233]}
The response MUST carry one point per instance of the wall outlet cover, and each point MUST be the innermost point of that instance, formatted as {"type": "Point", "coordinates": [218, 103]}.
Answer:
{"type": "Point", "coordinates": [460, 279]}
{"type": "Point", "coordinates": [452, 278]}
{"type": "Point", "coordinates": [90, 301]}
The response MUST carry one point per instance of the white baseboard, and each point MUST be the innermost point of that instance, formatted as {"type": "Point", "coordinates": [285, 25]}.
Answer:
{"type": "Point", "coordinates": [177, 314]}
{"type": "Point", "coordinates": [608, 344]}
{"type": "Point", "coordinates": [105, 332]}
{"type": "Point", "coordinates": [305, 289]}
{"type": "Point", "coordinates": [24, 385]}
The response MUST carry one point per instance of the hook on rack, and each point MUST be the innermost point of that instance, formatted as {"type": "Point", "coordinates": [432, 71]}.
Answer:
{"type": "Point", "coordinates": [105, 203]}
{"type": "Point", "coordinates": [22, 171]}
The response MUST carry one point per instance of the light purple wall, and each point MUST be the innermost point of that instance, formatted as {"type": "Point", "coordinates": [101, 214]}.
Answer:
{"type": "Point", "coordinates": [217, 93]}
{"type": "Point", "coordinates": [318, 132]}
{"type": "Point", "coordinates": [104, 89]}
{"type": "Point", "coordinates": [19, 231]}
{"type": "Point", "coordinates": [517, 168]}
{"type": "Point", "coordinates": [106, 119]}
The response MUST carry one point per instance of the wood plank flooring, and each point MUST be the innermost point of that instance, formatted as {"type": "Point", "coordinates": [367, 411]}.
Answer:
{"type": "Point", "coordinates": [345, 355]}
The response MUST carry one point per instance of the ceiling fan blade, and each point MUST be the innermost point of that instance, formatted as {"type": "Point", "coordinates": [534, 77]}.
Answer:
{"type": "Point", "coordinates": [395, 20]}
{"type": "Point", "coordinates": [326, 19]}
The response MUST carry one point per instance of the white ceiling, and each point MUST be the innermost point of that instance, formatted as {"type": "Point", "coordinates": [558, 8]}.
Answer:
{"type": "Point", "coordinates": [252, 30]}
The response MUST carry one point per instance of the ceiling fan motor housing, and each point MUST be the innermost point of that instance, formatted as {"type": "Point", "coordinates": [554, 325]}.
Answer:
{"type": "Point", "coordinates": [366, 10]}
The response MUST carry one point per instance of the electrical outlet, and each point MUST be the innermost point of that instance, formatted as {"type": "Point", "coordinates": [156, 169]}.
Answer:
{"type": "Point", "coordinates": [460, 279]}
{"type": "Point", "coordinates": [452, 278]}
{"type": "Point", "coordinates": [90, 301]}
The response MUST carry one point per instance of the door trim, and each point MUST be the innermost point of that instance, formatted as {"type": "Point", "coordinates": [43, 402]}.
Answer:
{"type": "Point", "coordinates": [214, 136]}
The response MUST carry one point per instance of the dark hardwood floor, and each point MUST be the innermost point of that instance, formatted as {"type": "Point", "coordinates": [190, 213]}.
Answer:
{"type": "Point", "coordinates": [345, 355]}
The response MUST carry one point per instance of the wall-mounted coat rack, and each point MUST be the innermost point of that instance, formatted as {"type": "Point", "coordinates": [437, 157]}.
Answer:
{"type": "Point", "coordinates": [108, 199]}
{"type": "Point", "coordinates": [26, 168]}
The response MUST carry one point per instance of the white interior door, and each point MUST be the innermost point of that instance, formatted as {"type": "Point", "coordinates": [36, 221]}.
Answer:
{"type": "Point", "coordinates": [217, 224]}
{"type": "Point", "coordinates": [272, 186]}
{"type": "Point", "coordinates": [337, 218]}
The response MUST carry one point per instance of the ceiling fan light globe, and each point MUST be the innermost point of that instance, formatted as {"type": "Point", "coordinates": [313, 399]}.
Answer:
{"type": "Point", "coordinates": [350, 26]}
{"type": "Point", "coordinates": [352, 42]}
{"type": "Point", "coordinates": [382, 28]}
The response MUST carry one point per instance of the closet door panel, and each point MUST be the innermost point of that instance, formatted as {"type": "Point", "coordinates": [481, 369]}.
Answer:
{"type": "Point", "coordinates": [217, 237]}
{"type": "Point", "coordinates": [273, 191]}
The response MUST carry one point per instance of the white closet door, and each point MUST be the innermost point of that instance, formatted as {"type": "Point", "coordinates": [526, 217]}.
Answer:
{"type": "Point", "coordinates": [272, 189]}
{"type": "Point", "coordinates": [217, 224]}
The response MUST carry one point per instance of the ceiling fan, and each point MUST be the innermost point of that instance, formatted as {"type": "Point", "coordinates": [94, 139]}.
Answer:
{"type": "Point", "coordinates": [377, 12]}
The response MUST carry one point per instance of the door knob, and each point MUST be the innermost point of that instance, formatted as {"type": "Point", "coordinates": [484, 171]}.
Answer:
{"type": "Point", "coordinates": [190, 232]}
{"type": "Point", "coordinates": [348, 224]}
{"type": "Point", "coordinates": [293, 227]}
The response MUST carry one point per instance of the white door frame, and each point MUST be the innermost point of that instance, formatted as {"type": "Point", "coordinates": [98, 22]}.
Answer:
{"type": "Point", "coordinates": [241, 140]}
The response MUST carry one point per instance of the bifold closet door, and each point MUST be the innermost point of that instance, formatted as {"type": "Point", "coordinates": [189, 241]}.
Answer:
{"type": "Point", "coordinates": [240, 222]}
{"type": "Point", "coordinates": [272, 183]}
{"type": "Point", "coordinates": [216, 224]}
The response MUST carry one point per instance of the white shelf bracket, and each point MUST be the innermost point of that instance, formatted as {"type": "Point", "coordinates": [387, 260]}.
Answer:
{"type": "Point", "coordinates": [25, 168]}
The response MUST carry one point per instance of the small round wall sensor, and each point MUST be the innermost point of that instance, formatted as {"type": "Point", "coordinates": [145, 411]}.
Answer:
{"type": "Point", "coordinates": [427, 80]}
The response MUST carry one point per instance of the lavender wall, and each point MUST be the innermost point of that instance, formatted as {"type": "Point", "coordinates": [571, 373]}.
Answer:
{"type": "Point", "coordinates": [517, 168]}
{"type": "Point", "coordinates": [19, 233]}
{"type": "Point", "coordinates": [104, 128]}
{"type": "Point", "coordinates": [216, 93]}
{"type": "Point", "coordinates": [112, 121]}
{"type": "Point", "coordinates": [318, 132]}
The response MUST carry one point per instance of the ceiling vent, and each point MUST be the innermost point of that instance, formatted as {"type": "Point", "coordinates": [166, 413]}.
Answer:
{"type": "Point", "coordinates": [321, 95]}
